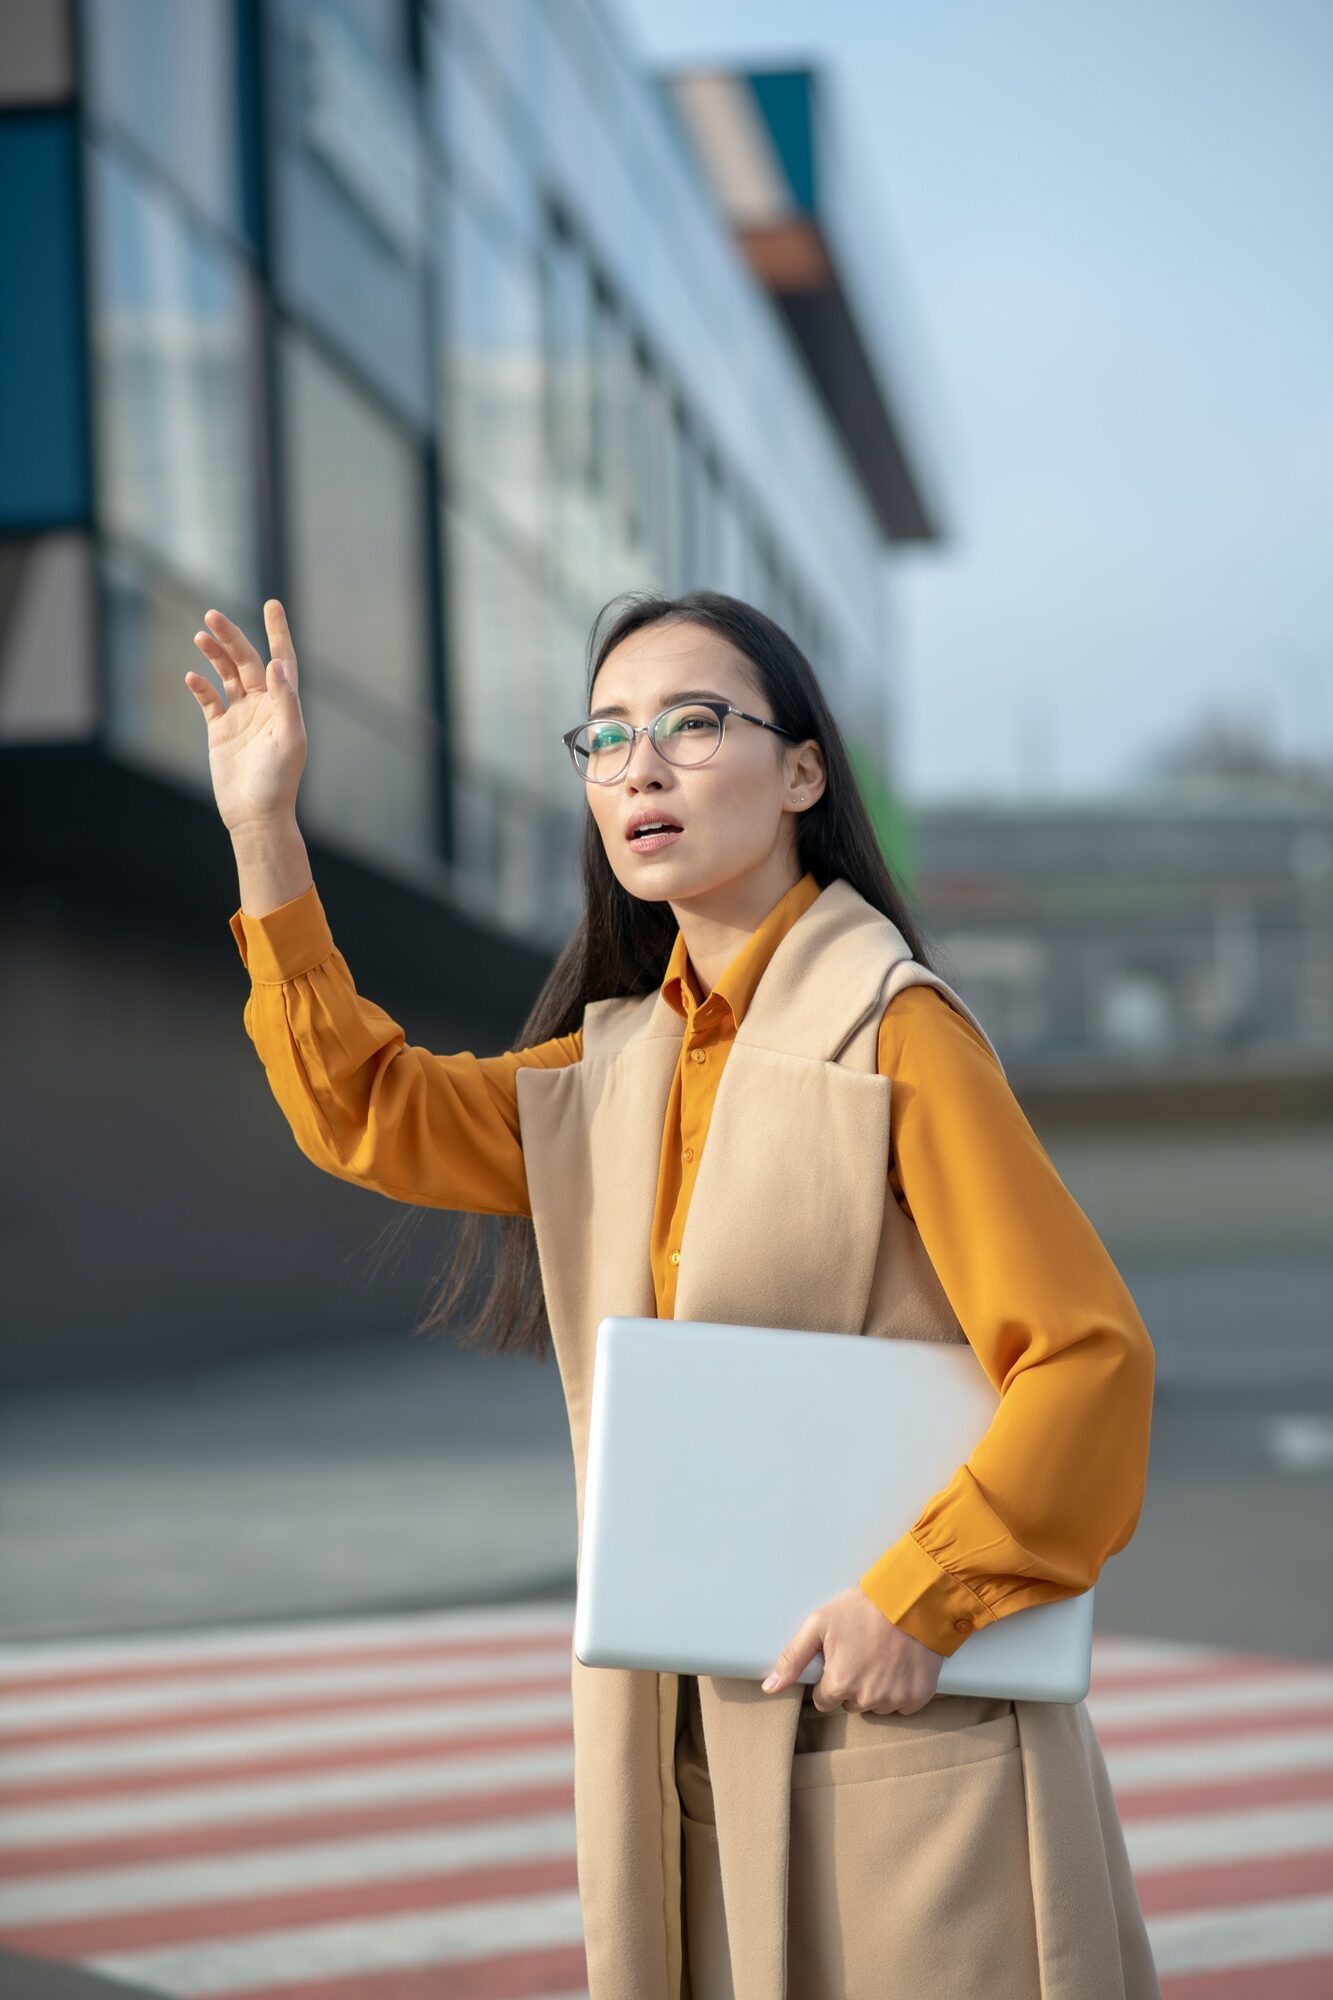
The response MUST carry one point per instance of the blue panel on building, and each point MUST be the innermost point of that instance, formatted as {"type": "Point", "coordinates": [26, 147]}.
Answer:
{"type": "Point", "coordinates": [783, 98]}
{"type": "Point", "coordinates": [43, 404]}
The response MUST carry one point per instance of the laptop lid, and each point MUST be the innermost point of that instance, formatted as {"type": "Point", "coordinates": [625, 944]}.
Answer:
{"type": "Point", "coordinates": [738, 1476]}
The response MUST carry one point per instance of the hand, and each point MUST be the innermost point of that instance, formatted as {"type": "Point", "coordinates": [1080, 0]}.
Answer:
{"type": "Point", "coordinates": [871, 1666]}
{"type": "Point", "coordinates": [256, 737]}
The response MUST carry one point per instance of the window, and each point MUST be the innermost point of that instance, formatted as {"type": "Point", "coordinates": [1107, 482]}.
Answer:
{"type": "Point", "coordinates": [624, 559]}
{"type": "Point", "coordinates": [568, 344]}
{"type": "Point", "coordinates": [729, 559]}
{"type": "Point", "coordinates": [355, 531]}
{"type": "Point", "coordinates": [708, 521]}
{"type": "Point", "coordinates": [613, 374]}
{"type": "Point", "coordinates": [491, 368]}
{"type": "Point", "coordinates": [173, 331]}
{"type": "Point", "coordinates": [168, 76]}
{"type": "Point", "coordinates": [571, 424]}
{"type": "Point", "coordinates": [355, 535]}
{"type": "Point", "coordinates": [655, 470]}
{"type": "Point", "coordinates": [483, 142]}
{"type": "Point", "coordinates": [349, 182]}
{"type": "Point", "coordinates": [515, 683]}
{"type": "Point", "coordinates": [506, 696]}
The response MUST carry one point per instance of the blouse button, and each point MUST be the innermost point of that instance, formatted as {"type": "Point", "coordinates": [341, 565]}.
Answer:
{"type": "Point", "coordinates": [962, 1624]}
{"type": "Point", "coordinates": [675, 1256]}
{"type": "Point", "coordinates": [696, 1055]}
{"type": "Point", "coordinates": [688, 1154]}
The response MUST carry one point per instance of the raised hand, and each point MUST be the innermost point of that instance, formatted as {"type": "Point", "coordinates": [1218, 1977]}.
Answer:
{"type": "Point", "coordinates": [256, 732]}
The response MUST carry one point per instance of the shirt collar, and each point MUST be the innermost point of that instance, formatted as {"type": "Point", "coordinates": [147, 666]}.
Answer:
{"type": "Point", "coordinates": [734, 988]}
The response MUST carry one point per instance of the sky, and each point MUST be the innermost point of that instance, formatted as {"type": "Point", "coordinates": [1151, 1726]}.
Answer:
{"type": "Point", "coordinates": [1113, 220]}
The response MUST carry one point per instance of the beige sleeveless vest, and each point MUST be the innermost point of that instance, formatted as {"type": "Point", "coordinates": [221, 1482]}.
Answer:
{"type": "Point", "coordinates": [792, 1223]}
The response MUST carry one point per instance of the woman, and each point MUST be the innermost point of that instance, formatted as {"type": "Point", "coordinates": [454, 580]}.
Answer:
{"type": "Point", "coordinates": [750, 975]}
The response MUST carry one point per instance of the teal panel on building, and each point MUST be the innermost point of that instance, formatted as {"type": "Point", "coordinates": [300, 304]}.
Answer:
{"type": "Point", "coordinates": [44, 479]}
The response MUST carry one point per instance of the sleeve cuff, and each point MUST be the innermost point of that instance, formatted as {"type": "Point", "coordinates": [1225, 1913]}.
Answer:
{"type": "Point", "coordinates": [286, 942]}
{"type": "Point", "coordinates": [925, 1601]}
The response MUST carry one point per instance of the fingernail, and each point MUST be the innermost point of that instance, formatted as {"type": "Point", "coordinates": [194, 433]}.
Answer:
{"type": "Point", "coordinates": [772, 1681]}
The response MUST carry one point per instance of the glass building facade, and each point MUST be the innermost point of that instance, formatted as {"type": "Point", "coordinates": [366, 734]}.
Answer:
{"type": "Point", "coordinates": [424, 316]}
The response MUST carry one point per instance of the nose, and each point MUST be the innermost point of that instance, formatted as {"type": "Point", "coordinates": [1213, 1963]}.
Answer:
{"type": "Point", "coordinates": [645, 760]}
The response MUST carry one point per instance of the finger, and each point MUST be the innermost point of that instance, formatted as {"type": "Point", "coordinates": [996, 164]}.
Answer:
{"type": "Point", "coordinates": [206, 695]}
{"type": "Point", "coordinates": [279, 637]}
{"type": "Point", "coordinates": [241, 668]}
{"type": "Point", "coordinates": [828, 1697]}
{"type": "Point", "coordinates": [218, 655]}
{"type": "Point", "coordinates": [215, 653]}
{"type": "Point", "coordinates": [784, 1667]}
{"type": "Point", "coordinates": [218, 658]}
{"type": "Point", "coordinates": [796, 1657]}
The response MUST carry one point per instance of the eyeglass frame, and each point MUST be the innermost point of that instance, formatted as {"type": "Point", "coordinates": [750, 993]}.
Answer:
{"type": "Point", "coordinates": [722, 709]}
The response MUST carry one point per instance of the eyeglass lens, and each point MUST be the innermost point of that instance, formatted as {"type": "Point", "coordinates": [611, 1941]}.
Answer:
{"type": "Point", "coordinates": [685, 735]}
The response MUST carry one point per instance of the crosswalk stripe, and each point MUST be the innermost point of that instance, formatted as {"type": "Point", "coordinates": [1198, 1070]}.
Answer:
{"type": "Point", "coordinates": [355, 1785]}
{"type": "Point", "coordinates": [216, 1922]}
{"type": "Point", "coordinates": [1205, 1837]}
{"type": "Point", "coordinates": [154, 1704]}
{"type": "Point", "coordinates": [1217, 1700]}
{"type": "Point", "coordinates": [541, 1974]}
{"type": "Point", "coordinates": [272, 1868]}
{"type": "Point", "coordinates": [204, 1648]}
{"type": "Point", "coordinates": [178, 1751]}
{"type": "Point", "coordinates": [429, 1936]}
{"type": "Point", "coordinates": [1219, 1757]}
{"type": "Point", "coordinates": [1254, 1934]}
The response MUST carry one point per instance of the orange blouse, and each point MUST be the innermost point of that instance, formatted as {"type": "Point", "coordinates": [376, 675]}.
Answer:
{"type": "Point", "coordinates": [1056, 1484]}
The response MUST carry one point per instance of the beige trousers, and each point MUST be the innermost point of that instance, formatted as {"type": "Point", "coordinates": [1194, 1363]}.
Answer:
{"type": "Point", "coordinates": [936, 1903]}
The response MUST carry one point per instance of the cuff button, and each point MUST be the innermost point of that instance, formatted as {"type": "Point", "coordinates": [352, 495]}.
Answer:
{"type": "Point", "coordinates": [962, 1624]}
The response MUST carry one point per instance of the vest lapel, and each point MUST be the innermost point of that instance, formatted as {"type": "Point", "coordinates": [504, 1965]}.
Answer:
{"type": "Point", "coordinates": [592, 1135]}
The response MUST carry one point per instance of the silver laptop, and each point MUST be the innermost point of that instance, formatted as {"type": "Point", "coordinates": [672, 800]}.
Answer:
{"type": "Point", "coordinates": [739, 1476]}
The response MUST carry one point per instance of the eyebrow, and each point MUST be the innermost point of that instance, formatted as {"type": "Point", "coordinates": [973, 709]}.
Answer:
{"type": "Point", "coordinates": [681, 694]}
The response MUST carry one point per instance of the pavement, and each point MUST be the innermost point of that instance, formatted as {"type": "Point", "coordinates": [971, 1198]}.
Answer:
{"type": "Point", "coordinates": [23, 1978]}
{"type": "Point", "coordinates": [406, 1473]}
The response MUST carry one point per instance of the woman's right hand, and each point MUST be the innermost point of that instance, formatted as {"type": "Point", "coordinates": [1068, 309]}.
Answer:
{"type": "Point", "coordinates": [256, 736]}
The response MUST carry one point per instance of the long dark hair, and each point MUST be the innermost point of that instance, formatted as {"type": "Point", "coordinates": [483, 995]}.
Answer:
{"type": "Point", "coordinates": [622, 943]}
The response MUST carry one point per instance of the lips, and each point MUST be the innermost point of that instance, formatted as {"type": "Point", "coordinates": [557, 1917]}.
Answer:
{"type": "Point", "coordinates": [655, 843]}
{"type": "Point", "coordinates": [658, 820]}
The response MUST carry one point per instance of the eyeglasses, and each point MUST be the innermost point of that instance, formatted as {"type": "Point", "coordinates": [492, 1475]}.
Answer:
{"type": "Point", "coordinates": [686, 735]}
